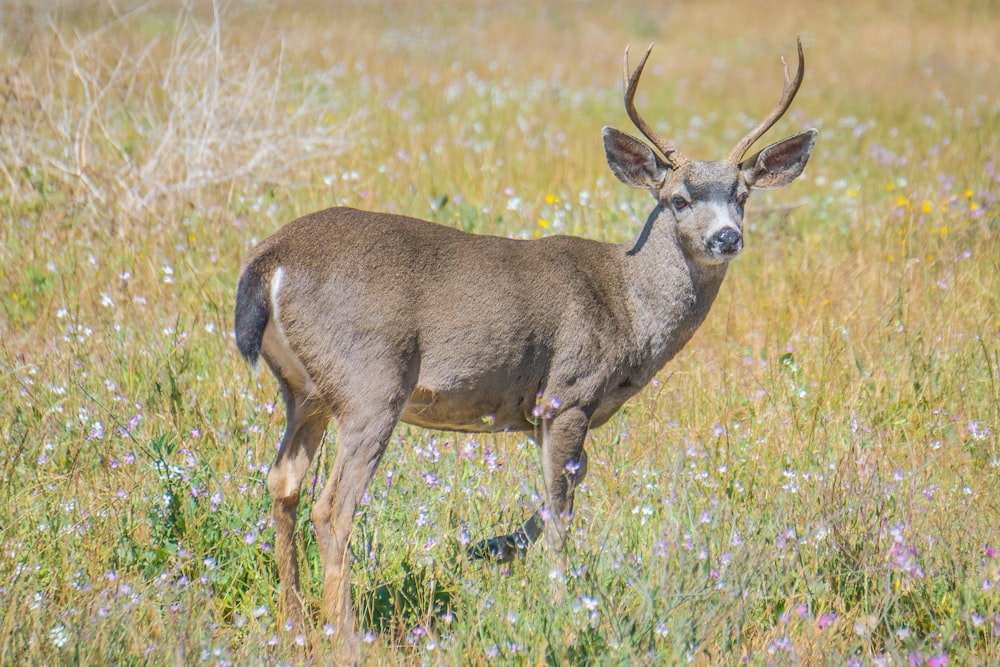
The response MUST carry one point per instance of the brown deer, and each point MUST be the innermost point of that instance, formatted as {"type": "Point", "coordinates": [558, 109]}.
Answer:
{"type": "Point", "coordinates": [372, 319]}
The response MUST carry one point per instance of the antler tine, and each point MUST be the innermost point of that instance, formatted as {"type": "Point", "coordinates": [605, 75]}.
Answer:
{"type": "Point", "coordinates": [630, 81]}
{"type": "Point", "coordinates": [787, 95]}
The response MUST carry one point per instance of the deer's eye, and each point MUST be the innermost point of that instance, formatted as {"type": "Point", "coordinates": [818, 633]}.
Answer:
{"type": "Point", "coordinates": [679, 203]}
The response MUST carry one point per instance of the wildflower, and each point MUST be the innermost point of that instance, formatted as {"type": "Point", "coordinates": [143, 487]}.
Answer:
{"type": "Point", "coordinates": [823, 621]}
{"type": "Point", "coordinates": [59, 635]}
{"type": "Point", "coordinates": [904, 559]}
{"type": "Point", "coordinates": [492, 460]}
{"type": "Point", "coordinates": [780, 644]}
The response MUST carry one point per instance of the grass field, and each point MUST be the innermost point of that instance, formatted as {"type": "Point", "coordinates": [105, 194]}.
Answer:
{"type": "Point", "coordinates": [814, 480]}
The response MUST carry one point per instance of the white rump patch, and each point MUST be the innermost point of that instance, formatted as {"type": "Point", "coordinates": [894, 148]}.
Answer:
{"type": "Point", "coordinates": [275, 343]}
{"type": "Point", "coordinates": [276, 279]}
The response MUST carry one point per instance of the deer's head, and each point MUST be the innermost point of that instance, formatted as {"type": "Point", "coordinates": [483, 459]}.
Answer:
{"type": "Point", "coordinates": [706, 198]}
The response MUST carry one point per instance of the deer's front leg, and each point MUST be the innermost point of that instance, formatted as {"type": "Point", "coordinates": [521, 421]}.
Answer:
{"type": "Point", "coordinates": [564, 464]}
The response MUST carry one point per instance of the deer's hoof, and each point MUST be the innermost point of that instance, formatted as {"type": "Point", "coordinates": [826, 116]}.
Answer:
{"type": "Point", "coordinates": [500, 549]}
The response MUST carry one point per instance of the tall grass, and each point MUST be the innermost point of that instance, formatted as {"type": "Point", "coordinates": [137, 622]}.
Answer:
{"type": "Point", "coordinates": [813, 481]}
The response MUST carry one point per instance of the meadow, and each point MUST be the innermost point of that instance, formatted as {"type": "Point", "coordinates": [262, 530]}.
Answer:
{"type": "Point", "coordinates": [813, 480]}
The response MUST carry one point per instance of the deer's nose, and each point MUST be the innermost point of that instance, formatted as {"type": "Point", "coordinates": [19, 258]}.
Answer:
{"type": "Point", "coordinates": [728, 242]}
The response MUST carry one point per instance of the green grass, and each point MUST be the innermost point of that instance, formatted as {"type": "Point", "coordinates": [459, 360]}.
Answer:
{"type": "Point", "coordinates": [812, 481]}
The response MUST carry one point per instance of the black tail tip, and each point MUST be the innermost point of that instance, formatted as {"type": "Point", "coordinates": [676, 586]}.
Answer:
{"type": "Point", "coordinates": [252, 314]}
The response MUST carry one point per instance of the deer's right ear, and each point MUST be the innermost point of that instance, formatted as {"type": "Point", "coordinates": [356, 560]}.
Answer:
{"type": "Point", "coordinates": [633, 162]}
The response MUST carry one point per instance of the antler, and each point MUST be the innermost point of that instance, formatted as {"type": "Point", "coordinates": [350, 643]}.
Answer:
{"type": "Point", "coordinates": [673, 156]}
{"type": "Point", "coordinates": [787, 95]}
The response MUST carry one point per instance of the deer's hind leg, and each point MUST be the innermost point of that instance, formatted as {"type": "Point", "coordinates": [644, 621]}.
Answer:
{"type": "Point", "coordinates": [307, 420]}
{"type": "Point", "coordinates": [364, 428]}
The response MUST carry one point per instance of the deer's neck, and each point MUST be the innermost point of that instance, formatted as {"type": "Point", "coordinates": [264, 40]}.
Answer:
{"type": "Point", "coordinates": [670, 295]}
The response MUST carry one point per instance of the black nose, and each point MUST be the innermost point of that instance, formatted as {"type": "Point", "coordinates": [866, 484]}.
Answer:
{"type": "Point", "coordinates": [728, 241]}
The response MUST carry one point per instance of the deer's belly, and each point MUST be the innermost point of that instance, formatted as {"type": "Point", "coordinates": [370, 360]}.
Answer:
{"type": "Point", "coordinates": [438, 410]}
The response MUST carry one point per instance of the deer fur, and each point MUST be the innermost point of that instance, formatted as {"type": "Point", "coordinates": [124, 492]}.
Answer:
{"type": "Point", "coordinates": [371, 319]}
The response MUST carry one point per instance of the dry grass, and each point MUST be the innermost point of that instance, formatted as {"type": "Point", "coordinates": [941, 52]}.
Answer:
{"type": "Point", "coordinates": [811, 482]}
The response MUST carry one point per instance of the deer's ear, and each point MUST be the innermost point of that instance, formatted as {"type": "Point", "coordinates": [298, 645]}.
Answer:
{"type": "Point", "coordinates": [633, 162]}
{"type": "Point", "coordinates": [779, 164]}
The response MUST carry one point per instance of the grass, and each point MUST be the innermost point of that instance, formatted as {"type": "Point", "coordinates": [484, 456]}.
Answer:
{"type": "Point", "coordinates": [812, 481]}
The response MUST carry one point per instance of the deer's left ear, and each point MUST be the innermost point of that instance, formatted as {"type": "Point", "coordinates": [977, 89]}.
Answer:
{"type": "Point", "coordinates": [779, 164]}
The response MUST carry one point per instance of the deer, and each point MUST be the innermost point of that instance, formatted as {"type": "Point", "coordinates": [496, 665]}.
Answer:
{"type": "Point", "coordinates": [371, 319]}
